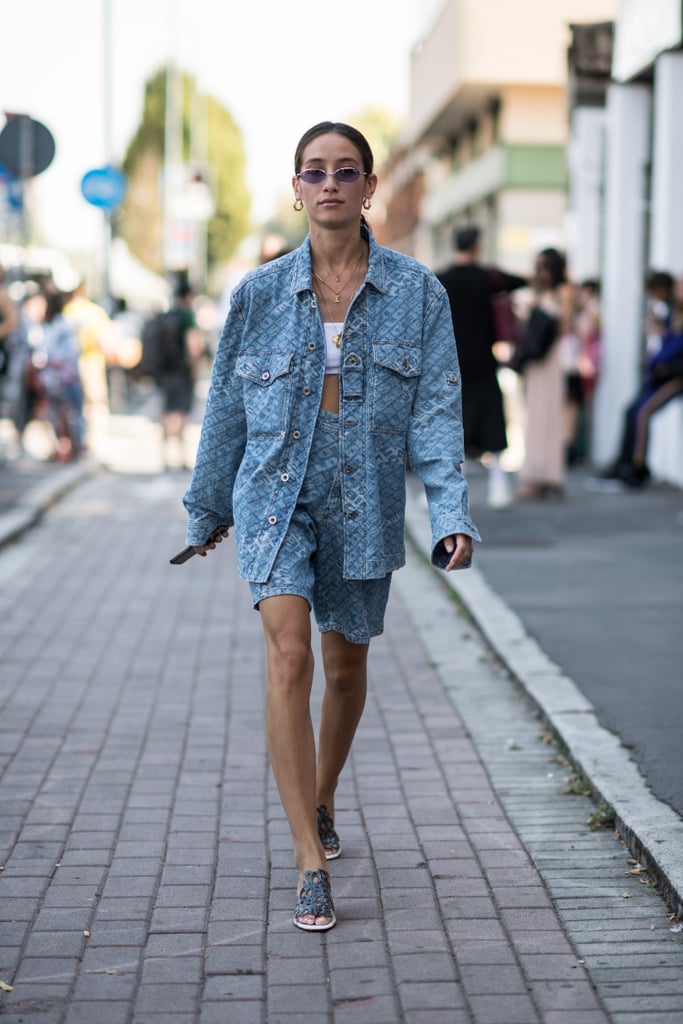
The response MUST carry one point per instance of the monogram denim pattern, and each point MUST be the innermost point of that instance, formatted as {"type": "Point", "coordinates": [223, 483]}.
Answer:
{"type": "Point", "coordinates": [309, 562]}
{"type": "Point", "coordinates": [400, 404]}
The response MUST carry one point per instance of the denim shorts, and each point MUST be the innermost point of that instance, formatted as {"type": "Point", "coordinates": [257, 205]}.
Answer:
{"type": "Point", "coordinates": [310, 561]}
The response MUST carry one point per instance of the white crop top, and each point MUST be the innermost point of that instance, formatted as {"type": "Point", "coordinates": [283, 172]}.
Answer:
{"type": "Point", "coordinates": [332, 351]}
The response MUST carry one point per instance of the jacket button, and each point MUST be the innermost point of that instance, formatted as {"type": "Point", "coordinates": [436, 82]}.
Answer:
{"type": "Point", "coordinates": [311, 345]}
{"type": "Point", "coordinates": [351, 515]}
{"type": "Point", "coordinates": [265, 375]}
{"type": "Point", "coordinates": [296, 434]}
{"type": "Point", "coordinates": [352, 361]}
{"type": "Point", "coordinates": [454, 378]}
{"type": "Point", "coordinates": [284, 477]}
{"type": "Point", "coordinates": [307, 391]}
{"type": "Point", "coordinates": [350, 469]}
{"type": "Point", "coordinates": [272, 520]}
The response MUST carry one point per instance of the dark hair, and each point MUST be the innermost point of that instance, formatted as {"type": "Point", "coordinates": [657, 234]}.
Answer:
{"type": "Point", "coordinates": [659, 280]}
{"type": "Point", "coordinates": [182, 290]}
{"type": "Point", "coordinates": [466, 239]}
{"type": "Point", "coordinates": [335, 128]}
{"type": "Point", "coordinates": [56, 301]}
{"type": "Point", "coordinates": [555, 263]}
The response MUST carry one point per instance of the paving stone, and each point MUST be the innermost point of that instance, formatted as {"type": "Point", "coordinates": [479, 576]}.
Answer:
{"type": "Point", "coordinates": [101, 986]}
{"type": "Point", "coordinates": [228, 987]}
{"type": "Point", "coordinates": [360, 983]}
{"type": "Point", "coordinates": [54, 944]}
{"type": "Point", "coordinates": [87, 1012]}
{"type": "Point", "coordinates": [506, 979]}
{"type": "Point", "coordinates": [423, 1016]}
{"type": "Point", "coordinates": [250, 1012]}
{"type": "Point", "coordinates": [283, 999]}
{"type": "Point", "coordinates": [436, 995]}
{"type": "Point", "coordinates": [167, 998]}
{"type": "Point", "coordinates": [513, 1009]}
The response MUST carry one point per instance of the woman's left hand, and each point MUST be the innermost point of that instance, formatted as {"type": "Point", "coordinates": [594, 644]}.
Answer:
{"type": "Point", "coordinates": [459, 547]}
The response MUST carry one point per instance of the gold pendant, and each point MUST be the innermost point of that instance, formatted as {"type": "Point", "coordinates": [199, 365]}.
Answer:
{"type": "Point", "coordinates": [336, 338]}
{"type": "Point", "coordinates": [337, 297]}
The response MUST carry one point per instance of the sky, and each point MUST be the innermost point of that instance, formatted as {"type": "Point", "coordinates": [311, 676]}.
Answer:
{"type": "Point", "coordinates": [277, 67]}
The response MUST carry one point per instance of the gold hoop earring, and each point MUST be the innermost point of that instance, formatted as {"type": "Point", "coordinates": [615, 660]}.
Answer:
{"type": "Point", "coordinates": [366, 203]}
{"type": "Point", "coordinates": [298, 204]}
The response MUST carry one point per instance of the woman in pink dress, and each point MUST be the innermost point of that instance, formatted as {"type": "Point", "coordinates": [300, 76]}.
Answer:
{"type": "Point", "coordinates": [540, 361]}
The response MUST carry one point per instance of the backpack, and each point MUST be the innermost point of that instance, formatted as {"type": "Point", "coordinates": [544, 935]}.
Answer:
{"type": "Point", "coordinates": [163, 345]}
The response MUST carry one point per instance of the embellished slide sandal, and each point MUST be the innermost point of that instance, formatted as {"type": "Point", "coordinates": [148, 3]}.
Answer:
{"type": "Point", "coordinates": [315, 900]}
{"type": "Point", "coordinates": [328, 836]}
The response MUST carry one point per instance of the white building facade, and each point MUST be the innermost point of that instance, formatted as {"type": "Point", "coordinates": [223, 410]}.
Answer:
{"type": "Point", "coordinates": [641, 212]}
{"type": "Point", "coordinates": [488, 129]}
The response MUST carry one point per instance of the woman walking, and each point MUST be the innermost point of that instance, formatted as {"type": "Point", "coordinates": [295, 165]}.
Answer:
{"type": "Point", "coordinates": [336, 366]}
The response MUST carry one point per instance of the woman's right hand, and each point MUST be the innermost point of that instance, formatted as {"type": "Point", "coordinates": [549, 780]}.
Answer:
{"type": "Point", "coordinates": [215, 538]}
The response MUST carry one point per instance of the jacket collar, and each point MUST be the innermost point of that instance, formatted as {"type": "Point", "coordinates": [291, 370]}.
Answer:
{"type": "Point", "coordinates": [302, 276]}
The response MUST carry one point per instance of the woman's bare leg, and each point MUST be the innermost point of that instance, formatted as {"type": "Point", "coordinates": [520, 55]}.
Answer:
{"type": "Point", "coordinates": [663, 395]}
{"type": "Point", "coordinates": [345, 666]}
{"type": "Point", "coordinates": [289, 728]}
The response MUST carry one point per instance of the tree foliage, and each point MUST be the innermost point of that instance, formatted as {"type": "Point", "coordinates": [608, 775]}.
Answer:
{"type": "Point", "coordinates": [140, 220]}
{"type": "Point", "coordinates": [381, 127]}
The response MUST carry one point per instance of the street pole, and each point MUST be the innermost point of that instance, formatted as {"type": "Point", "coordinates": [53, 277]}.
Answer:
{"type": "Point", "coordinates": [199, 160]}
{"type": "Point", "coordinates": [25, 175]}
{"type": "Point", "coordinates": [173, 156]}
{"type": "Point", "coordinates": [108, 143]}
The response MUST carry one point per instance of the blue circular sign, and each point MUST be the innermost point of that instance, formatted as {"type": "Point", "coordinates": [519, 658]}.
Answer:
{"type": "Point", "coordinates": [104, 187]}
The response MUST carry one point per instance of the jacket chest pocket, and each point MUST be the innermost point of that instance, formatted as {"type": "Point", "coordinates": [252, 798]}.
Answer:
{"type": "Point", "coordinates": [267, 391]}
{"type": "Point", "coordinates": [395, 373]}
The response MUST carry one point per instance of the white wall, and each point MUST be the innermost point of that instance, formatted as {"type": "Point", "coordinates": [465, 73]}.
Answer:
{"type": "Point", "coordinates": [665, 456]}
{"type": "Point", "coordinates": [586, 158]}
{"type": "Point", "coordinates": [627, 157]}
{"type": "Point", "coordinates": [666, 249]}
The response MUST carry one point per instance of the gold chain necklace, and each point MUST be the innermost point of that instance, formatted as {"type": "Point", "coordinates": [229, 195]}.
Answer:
{"type": "Point", "coordinates": [336, 338]}
{"type": "Point", "coordinates": [338, 293]}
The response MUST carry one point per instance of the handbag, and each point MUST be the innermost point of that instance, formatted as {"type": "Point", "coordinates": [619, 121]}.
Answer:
{"type": "Point", "coordinates": [539, 336]}
{"type": "Point", "coordinates": [506, 323]}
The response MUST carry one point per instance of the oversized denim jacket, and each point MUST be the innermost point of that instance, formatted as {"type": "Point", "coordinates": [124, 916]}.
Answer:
{"type": "Point", "coordinates": [400, 404]}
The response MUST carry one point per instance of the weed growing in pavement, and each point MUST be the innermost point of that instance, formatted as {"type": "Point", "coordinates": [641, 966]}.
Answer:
{"type": "Point", "coordinates": [602, 817]}
{"type": "Point", "coordinates": [578, 785]}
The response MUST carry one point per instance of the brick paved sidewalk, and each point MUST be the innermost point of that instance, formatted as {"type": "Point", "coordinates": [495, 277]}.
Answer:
{"type": "Point", "coordinates": [147, 864]}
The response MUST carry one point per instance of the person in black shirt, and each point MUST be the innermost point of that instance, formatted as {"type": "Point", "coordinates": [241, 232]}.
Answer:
{"type": "Point", "coordinates": [471, 288]}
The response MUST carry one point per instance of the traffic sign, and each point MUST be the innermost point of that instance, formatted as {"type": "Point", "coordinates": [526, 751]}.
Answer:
{"type": "Point", "coordinates": [27, 147]}
{"type": "Point", "coordinates": [104, 187]}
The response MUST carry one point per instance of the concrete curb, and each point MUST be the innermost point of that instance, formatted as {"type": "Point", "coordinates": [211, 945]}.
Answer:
{"type": "Point", "coordinates": [652, 829]}
{"type": "Point", "coordinates": [32, 506]}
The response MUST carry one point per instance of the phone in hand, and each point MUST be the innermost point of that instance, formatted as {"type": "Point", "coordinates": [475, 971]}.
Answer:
{"type": "Point", "coordinates": [183, 556]}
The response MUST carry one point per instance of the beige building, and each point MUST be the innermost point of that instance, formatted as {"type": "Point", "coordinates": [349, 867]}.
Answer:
{"type": "Point", "coordinates": [487, 131]}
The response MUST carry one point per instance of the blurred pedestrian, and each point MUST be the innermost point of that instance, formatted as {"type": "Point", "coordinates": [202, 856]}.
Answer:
{"type": "Point", "coordinates": [660, 289]}
{"type": "Point", "coordinates": [14, 405]}
{"type": "Point", "coordinates": [471, 289]}
{"type": "Point", "coordinates": [94, 331]}
{"type": "Point", "coordinates": [539, 359]}
{"type": "Point", "coordinates": [179, 347]}
{"type": "Point", "coordinates": [9, 321]}
{"type": "Point", "coordinates": [125, 353]}
{"type": "Point", "coordinates": [59, 377]}
{"type": "Point", "coordinates": [662, 382]}
{"type": "Point", "coordinates": [336, 368]}
{"type": "Point", "coordinates": [29, 405]}
{"type": "Point", "coordinates": [589, 331]}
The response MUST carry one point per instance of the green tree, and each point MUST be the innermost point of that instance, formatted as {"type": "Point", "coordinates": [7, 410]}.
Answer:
{"type": "Point", "coordinates": [381, 127]}
{"type": "Point", "coordinates": [140, 220]}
